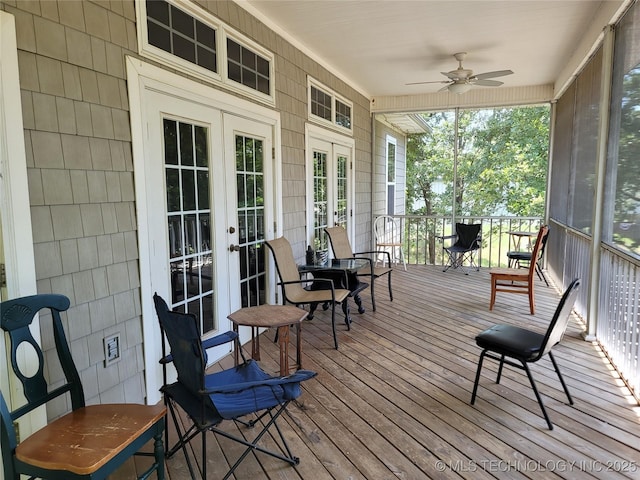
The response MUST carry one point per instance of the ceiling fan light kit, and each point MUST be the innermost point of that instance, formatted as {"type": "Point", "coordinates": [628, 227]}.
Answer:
{"type": "Point", "coordinates": [459, 88]}
{"type": "Point", "coordinates": [462, 79]}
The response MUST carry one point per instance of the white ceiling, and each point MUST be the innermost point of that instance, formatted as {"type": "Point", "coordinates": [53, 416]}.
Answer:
{"type": "Point", "coordinates": [378, 46]}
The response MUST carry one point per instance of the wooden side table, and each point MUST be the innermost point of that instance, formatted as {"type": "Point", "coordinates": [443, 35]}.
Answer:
{"type": "Point", "coordinates": [271, 316]}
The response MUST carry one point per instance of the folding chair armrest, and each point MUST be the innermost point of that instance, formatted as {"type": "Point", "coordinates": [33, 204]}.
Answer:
{"type": "Point", "coordinates": [220, 339]}
{"type": "Point", "coordinates": [445, 237]}
{"type": "Point", "coordinates": [297, 377]}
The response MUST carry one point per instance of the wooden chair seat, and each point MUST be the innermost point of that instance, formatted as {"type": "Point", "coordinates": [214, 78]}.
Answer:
{"type": "Point", "coordinates": [86, 439]}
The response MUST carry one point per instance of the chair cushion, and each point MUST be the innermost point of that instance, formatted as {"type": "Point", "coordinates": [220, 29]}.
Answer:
{"type": "Point", "coordinates": [519, 255]}
{"type": "Point", "coordinates": [233, 405]}
{"type": "Point", "coordinates": [511, 341]}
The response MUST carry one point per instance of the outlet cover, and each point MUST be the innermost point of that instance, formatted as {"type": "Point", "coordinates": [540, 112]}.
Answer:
{"type": "Point", "coordinates": [112, 349]}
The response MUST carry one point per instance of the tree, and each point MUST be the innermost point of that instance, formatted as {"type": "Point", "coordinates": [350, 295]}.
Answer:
{"type": "Point", "coordinates": [501, 166]}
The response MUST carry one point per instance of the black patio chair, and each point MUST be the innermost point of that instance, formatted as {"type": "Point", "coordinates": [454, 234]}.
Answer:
{"type": "Point", "coordinates": [502, 342]}
{"type": "Point", "coordinates": [235, 394]}
{"type": "Point", "coordinates": [466, 241]}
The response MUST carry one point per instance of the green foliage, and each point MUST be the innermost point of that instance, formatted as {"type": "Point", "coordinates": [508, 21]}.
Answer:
{"type": "Point", "coordinates": [501, 169]}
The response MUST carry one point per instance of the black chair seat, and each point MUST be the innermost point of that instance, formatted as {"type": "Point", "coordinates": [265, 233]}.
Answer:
{"type": "Point", "coordinates": [511, 341]}
{"type": "Point", "coordinates": [522, 256]}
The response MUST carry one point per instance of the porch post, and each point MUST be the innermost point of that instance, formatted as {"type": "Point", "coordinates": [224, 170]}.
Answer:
{"type": "Point", "coordinates": [596, 239]}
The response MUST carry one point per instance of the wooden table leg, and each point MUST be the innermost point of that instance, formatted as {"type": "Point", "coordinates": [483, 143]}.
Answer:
{"type": "Point", "coordinates": [299, 346]}
{"type": "Point", "coordinates": [255, 343]}
{"type": "Point", "coordinates": [237, 346]}
{"type": "Point", "coordinates": [283, 337]}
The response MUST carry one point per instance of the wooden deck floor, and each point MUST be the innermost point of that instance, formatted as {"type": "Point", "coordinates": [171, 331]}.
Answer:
{"type": "Point", "coordinates": [393, 401]}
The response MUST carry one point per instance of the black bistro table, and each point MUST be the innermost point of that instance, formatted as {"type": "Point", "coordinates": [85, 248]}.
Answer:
{"type": "Point", "coordinates": [343, 273]}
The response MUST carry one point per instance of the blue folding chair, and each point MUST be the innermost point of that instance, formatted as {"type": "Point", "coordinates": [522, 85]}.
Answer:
{"type": "Point", "coordinates": [232, 394]}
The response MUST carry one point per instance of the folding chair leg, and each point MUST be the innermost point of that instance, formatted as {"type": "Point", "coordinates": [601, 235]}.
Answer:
{"type": "Point", "coordinates": [183, 439]}
{"type": "Point", "coordinates": [535, 390]}
{"type": "Point", "coordinates": [253, 446]}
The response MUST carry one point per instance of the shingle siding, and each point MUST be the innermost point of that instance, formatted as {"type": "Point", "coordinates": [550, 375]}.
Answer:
{"type": "Point", "coordinates": [71, 58]}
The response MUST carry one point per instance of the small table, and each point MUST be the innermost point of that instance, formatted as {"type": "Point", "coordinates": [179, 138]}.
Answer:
{"type": "Point", "coordinates": [268, 316]}
{"type": "Point", "coordinates": [343, 273]}
{"type": "Point", "coordinates": [517, 237]}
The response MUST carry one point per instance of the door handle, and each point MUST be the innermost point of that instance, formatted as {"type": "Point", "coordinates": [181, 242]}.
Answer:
{"type": "Point", "coordinates": [234, 248]}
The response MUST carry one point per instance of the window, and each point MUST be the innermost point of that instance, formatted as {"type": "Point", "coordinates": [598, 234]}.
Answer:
{"type": "Point", "coordinates": [326, 107]}
{"type": "Point", "coordinates": [391, 175]}
{"type": "Point", "coordinates": [247, 68]}
{"type": "Point", "coordinates": [176, 32]}
{"type": "Point", "coordinates": [320, 104]}
{"type": "Point", "coordinates": [184, 36]}
{"type": "Point", "coordinates": [343, 114]}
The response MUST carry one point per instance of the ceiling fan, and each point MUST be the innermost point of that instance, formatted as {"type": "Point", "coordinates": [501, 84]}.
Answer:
{"type": "Point", "coordinates": [461, 79]}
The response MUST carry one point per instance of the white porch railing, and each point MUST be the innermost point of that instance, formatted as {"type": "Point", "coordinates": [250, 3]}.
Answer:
{"type": "Point", "coordinates": [618, 327]}
{"type": "Point", "coordinates": [422, 244]}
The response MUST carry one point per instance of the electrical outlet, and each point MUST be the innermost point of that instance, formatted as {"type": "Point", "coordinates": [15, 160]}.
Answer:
{"type": "Point", "coordinates": [112, 349]}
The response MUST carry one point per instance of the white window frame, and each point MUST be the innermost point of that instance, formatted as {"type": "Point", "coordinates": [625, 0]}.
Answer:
{"type": "Point", "coordinates": [223, 31]}
{"type": "Point", "coordinates": [389, 140]}
{"type": "Point", "coordinates": [311, 82]}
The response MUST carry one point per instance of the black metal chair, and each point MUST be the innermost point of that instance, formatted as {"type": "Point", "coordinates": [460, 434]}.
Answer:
{"type": "Point", "coordinates": [232, 394]}
{"type": "Point", "coordinates": [466, 241]}
{"type": "Point", "coordinates": [91, 441]}
{"type": "Point", "coordinates": [523, 258]}
{"type": "Point", "coordinates": [502, 342]}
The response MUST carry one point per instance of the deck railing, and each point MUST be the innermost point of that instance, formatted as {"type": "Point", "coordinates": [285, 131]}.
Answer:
{"type": "Point", "coordinates": [423, 244]}
{"type": "Point", "coordinates": [618, 327]}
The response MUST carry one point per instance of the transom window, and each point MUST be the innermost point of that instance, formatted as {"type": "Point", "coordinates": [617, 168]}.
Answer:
{"type": "Point", "coordinates": [176, 32]}
{"type": "Point", "coordinates": [247, 67]}
{"type": "Point", "coordinates": [182, 35]}
{"type": "Point", "coordinates": [326, 107]}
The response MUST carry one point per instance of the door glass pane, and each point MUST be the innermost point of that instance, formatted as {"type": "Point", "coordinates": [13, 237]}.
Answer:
{"type": "Point", "coordinates": [341, 191]}
{"type": "Point", "coordinates": [189, 220]}
{"type": "Point", "coordinates": [320, 199]}
{"type": "Point", "coordinates": [249, 182]}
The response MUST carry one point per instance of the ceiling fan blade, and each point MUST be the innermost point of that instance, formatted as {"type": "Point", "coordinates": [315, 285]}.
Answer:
{"type": "Point", "coordinates": [488, 83]}
{"type": "Point", "coordinates": [444, 89]}
{"type": "Point", "coordinates": [421, 83]}
{"type": "Point", "coordinates": [497, 73]}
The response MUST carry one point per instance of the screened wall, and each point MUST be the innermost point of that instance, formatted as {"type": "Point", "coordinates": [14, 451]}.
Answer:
{"type": "Point", "coordinates": [594, 198]}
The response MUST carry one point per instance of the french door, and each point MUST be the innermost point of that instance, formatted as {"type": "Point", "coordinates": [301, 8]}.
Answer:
{"type": "Point", "coordinates": [208, 191]}
{"type": "Point", "coordinates": [330, 193]}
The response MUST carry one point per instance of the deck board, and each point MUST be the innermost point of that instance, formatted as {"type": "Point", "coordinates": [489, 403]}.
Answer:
{"type": "Point", "coordinates": [393, 400]}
